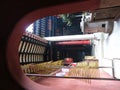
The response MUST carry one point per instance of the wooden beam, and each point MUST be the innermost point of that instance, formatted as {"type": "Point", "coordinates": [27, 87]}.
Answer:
{"type": "Point", "coordinates": [92, 78]}
{"type": "Point", "coordinates": [106, 14]}
{"type": "Point", "coordinates": [109, 3]}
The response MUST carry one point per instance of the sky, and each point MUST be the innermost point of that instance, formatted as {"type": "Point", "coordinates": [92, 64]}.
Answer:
{"type": "Point", "coordinates": [30, 28]}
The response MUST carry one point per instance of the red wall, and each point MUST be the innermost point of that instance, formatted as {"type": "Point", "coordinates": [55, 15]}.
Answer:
{"type": "Point", "coordinates": [15, 16]}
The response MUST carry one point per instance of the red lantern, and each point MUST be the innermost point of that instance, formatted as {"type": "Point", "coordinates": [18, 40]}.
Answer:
{"type": "Point", "coordinates": [68, 60]}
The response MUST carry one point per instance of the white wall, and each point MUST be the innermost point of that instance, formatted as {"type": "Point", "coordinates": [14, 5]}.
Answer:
{"type": "Point", "coordinates": [112, 42]}
{"type": "Point", "coordinates": [111, 49]}
{"type": "Point", "coordinates": [108, 48]}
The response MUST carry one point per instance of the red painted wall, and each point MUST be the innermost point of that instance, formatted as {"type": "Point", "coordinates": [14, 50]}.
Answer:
{"type": "Point", "coordinates": [15, 16]}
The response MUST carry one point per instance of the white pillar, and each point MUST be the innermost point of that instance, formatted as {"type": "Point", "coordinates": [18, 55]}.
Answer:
{"type": "Point", "coordinates": [99, 47]}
